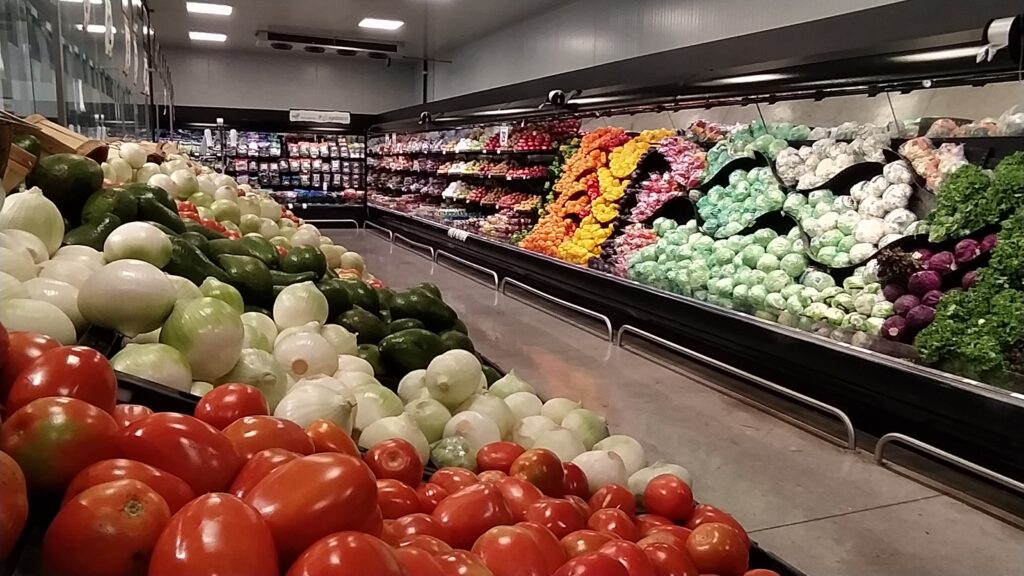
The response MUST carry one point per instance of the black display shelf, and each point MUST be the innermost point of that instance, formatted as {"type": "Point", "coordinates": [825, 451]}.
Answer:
{"type": "Point", "coordinates": [550, 152]}
{"type": "Point", "coordinates": [323, 215]}
{"type": "Point", "coordinates": [880, 394]}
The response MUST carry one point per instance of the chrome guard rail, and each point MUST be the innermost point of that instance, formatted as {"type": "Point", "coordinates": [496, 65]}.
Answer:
{"type": "Point", "coordinates": [586, 312]}
{"type": "Point", "coordinates": [468, 264]}
{"type": "Point", "coordinates": [355, 223]}
{"type": "Point", "coordinates": [896, 438]}
{"type": "Point", "coordinates": [429, 249]}
{"type": "Point", "coordinates": [389, 233]}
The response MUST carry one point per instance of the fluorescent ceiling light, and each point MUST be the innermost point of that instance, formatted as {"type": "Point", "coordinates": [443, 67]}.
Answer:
{"type": "Point", "coordinates": [505, 111]}
{"type": "Point", "coordinates": [205, 8]}
{"type": "Point", "coordinates": [80, 1]}
{"type": "Point", "coordinates": [943, 54]}
{"type": "Point", "coordinates": [94, 28]}
{"type": "Point", "coordinates": [750, 79]}
{"type": "Point", "coordinates": [597, 99]}
{"type": "Point", "coordinates": [207, 36]}
{"type": "Point", "coordinates": [379, 24]}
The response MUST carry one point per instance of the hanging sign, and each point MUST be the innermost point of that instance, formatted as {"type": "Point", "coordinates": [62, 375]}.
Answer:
{"type": "Point", "coordinates": [108, 29]}
{"type": "Point", "coordinates": [320, 116]}
{"type": "Point", "coordinates": [503, 136]}
{"type": "Point", "coordinates": [86, 14]}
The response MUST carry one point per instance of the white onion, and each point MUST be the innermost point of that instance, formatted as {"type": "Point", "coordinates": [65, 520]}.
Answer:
{"type": "Point", "coordinates": [586, 425]}
{"type": "Point", "coordinates": [129, 296]}
{"type": "Point", "coordinates": [208, 332]}
{"type": "Point", "coordinates": [36, 248]}
{"type": "Point", "coordinates": [155, 362]}
{"type": "Point", "coordinates": [631, 452]}
{"type": "Point", "coordinates": [639, 480]}
{"type": "Point", "coordinates": [601, 468]}
{"type": "Point", "coordinates": [184, 289]}
{"type": "Point", "coordinates": [300, 304]}
{"type": "Point", "coordinates": [11, 287]}
{"type": "Point", "coordinates": [412, 386]}
{"type": "Point", "coordinates": [494, 409]}
{"type": "Point", "coordinates": [510, 384]}
{"type": "Point", "coordinates": [225, 193]}
{"type": "Point", "coordinates": [60, 294]}
{"type": "Point", "coordinates": [164, 181]}
{"type": "Point", "coordinates": [186, 183]}
{"type": "Point", "coordinates": [17, 263]}
{"type": "Point", "coordinates": [206, 184]}
{"type": "Point", "coordinates": [122, 170]}
{"type": "Point", "coordinates": [258, 369]}
{"type": "Point", "coordinates": [557, 408]}
{"type": "Point", "coordinates": [476, 428]}
{"type": "Point", "coordinates": [310, 328]}
{"type": "Point", "coordinates": [307, 404]}
{"type": "Point", "coordinates": [306, 354]}
{"type": "Point", "coordinates": [23, 315]}
{"type": "Point", "coordinates": [138, 240]}
{"type": "Point", "coordinates": [527, 430]}
{"type": "Point", "coordinates": [326, 382]}
{"type": "Point", "coordinates": [562, 442]}
{"type": "Point", "coordinates": [453, 377]}
{"type": "Point", "coordinates": [262, 323]}
{"type": "Point", "coordinates": [345, 343]}
{"type": "Point", "coordinates": [200, 388]}
{"type": "Point", "coordinates": [147, 171]}
{"type": "Point", "coordinates": [403, 427]}
{"type": "Point", "coordinates": [375, 402]}
{"type": "Point", "coordinates": [305, 238]}
{"type": "Point", "coordinates": [152, 337]}
{"type": "Point", "coordinates": [347, 363]}
{"type": "Point", "coordinates": [36, 214]}
{"type": "Point", "coordinates": [431, 417]}
{"type": "Point", "coordinates": [72, 272]}
{"type": "Point", "coordinates": [93, 257]}
{"type": "Point", "coordinates": [133, 154]}
{"type": "Point", "coordinates": [523, 404]}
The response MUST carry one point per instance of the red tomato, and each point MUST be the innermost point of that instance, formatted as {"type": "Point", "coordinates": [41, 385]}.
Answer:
{"type": "Point", "coordinates": [396, 499]}
{"type": "Point", "coordinates": [313, 496]}
{"type": "Point", "coordinates": [511, 551]}
{"type": "Point", "coordinates": [584, 542]}
{"type": "Point", "coordinates": [498, 456]}
{"type": "Point", "coordinates": [663, 537]}
{"type": "Point", "coordinates": [329, 437]}
{"type": "Point", "coordinates": [669, 560]}
{"type": "Point", "coordinates": [541, 468]}
{"type": "Point", "coordinates": [374, 525]}
{"type": "Point", "coordinates": [107, 530]}
{"type": "Point", "coordinates": [470, 512]}
{"type": "Point", "coordinates": [23, 349]}
{"type": "Point", "coordinates": [347, 553]}
{"type": "Point", "coordinates": [667, 495]}
{"type": "Point", "coordinates": [417, 523]}
{"type": "Point", "coordinates": [574, 482]}
{"type": "Point", "coordinates": [252, 434]}
{"type": "Point", "coordinates": [454, 479]}
{"type": "Point", "coordinates": [631, 556]}
{"type": "Point", "coordinates": [257, 468]}
{"type": "Point", "coordinates": [614, 521]}
{"type": "Point", "coordinates": [417, 562]}
{"type": "Point", "coordinates": [681, 533]}
{"type": "Point", "coordinates": [582, 506]}
{"type": "Point", "coordinates": [175, 492]}
{"type": "Point", "coordinates": [550, 547]}
{"type": "Point", "coordinates": [229, 402]}
{"type": "Point", "coordinates": [462, 563]}
{"type": "Point", "coordinates": [592, 564]}
{"type": "Point", "coordinates": [185, 548]}
{"type": "Point", "coordinates": [717, 548]}
{"type": "Point", "coordinates": [52, 439]}
{"type": "Point", "coordinates": [704, 513]}
{"type": "Point", "coordinates": [189, 448]}
{"type": "Point", "coordinates": [614, 496]}
{"type": "Point", "coordinates": [644, 522]}
{"type": "Point", "coordinates": [72, 371]}
{"type": "Point", "coordinates": [559, 516]}
{"type": "Point", "coordinates": [761, 572]}
{"type": "Point", "coordinates": [430, 495]}
{"type": "Point", "coordinates": [396, 458]}
{"type": "Point", "coordinates": [492, 476]}
{"type": "Point", "coordinates": [5, 348]}
{"type": "Point", "coordinates": [425, 542]}
{"type": "Point", "coordinates": [125, 414]}
{"type": "Point", "coordinates": [519, 494]}
{"type": "Point", "coordinates": [13, 503]}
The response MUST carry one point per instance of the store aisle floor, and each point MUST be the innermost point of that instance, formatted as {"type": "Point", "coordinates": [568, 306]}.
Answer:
{"type": "Point", "coordinates": [828, 511]}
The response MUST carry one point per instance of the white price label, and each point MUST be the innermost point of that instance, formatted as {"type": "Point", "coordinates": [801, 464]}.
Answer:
{"type": "Point", "coordinates": [325, 186]}
{"type": "Point", "coordinates": [503, 136]}
{"type": "Point", "coordinates": [459, 235]}
{"type": "Point", "coordinates": [304, 206]}
{"type": "Point", "coordinates": [290, 206]}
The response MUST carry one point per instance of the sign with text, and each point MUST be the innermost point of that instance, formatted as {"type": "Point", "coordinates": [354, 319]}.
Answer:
{"type": "Point", "coordinates": [320, 116]}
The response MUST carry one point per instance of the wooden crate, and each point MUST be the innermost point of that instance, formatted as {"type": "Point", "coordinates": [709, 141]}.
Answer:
{"type": "Point", "coordinates": [19, 164]}
{"type": "Point", "coordinates": [57, 139]}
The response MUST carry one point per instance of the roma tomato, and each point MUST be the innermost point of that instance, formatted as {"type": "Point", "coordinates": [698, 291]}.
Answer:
{"type": "Point", "coordinates": [498, 456]}
{"type": "Point", "coordinates": [614, 521]}
{"type": "Point", "coordinates": [550, 547]}
{"type": "Point", "coordinates": [761, 572]}
{"type": "Point", "coordinates": [511, 551]}
{"type": "Point", "coordinates": [417, 562]}
{"type": "Point", "coordinates": [667, 495]}
{"type": "Point", "coordinates": [252, 434]}
{"type": "Point", "coordinates": [592, 564]}
{"type": "Point", "coordinates": [175, 492]}
{"type": "Point", "coordinates": [23, 349]}
{"type": "Point", "coordinates": [185, 547]}
{"type": "Point", "coordinates": [13, 504]}
{"type": "Point", "coordinates": [229, 402]}
{"type": "Point", "coordinates": [257, 468]}
{"type": "Point", "coordinates": [396, 499]}
{"type": "Point", "coordinates": [492, 476]}
{"type": "Point", "coordinates": [669, 560]}
{"type": "Point", "coordinates": [631, 556]}
{"type": "Point", "coordinates": [313, 496]}
{"type": "Point", "coordinates": [682, 534]}
{"type": "Point", "coordinates": [583, 542]}
{"type": "Point", "coordinates": [519, 494]}
{"type": "Point", "coordinates": [717, 548]}
{"type": "Point", "coordinates": [462, 563]}
{"type": "Point", "coordinates": [430, 495]}
{"type": "Point", "coordinates": [582, 506]}
{"type": "Point", "coordinates": [470, 512]}
{"type": "Point", "coordinates": [125, 414]}
{"type": "Point", "coordinates": [424, 542]}
{"type": "Point", "coordinates": [614, 496]}
{"type": "Point", "coordinates": [705, 513]}
{"type": "Point", "coordinates": [374, 525]}
{"type": "Point", "coordinates": [454, 479]}
{"type": "Point", "coordinates": [329, 437]}
{"type": "Point", "coordinates": [541, 468]}
{"type": "Point", "coordinates": [347, 553]}
{"type": "Point", "coordinates": [72, 371]}
{"type": "Point", "coordinates": [189, 448]}
{"type": "Point", "coordinates": [107, 530]}
{"type": "Point", "coordinates": [396, 459]}
{"type": "Point", "coordinates": [52, 439]}
{"type": "Point", "coordinates": [417, 523]}
{"type": "Point", "coordinates": [644, 522]}
{"type": "Point", "coordinates": [574, 481]}
{"type": "Point", "coordinates": [559, 516]}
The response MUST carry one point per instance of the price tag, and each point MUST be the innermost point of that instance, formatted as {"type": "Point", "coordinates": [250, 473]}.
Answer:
{"type": "Point", "coordinates": [459, 235]}
{"type": "Point", "coordinates": [304, 205]}
{"type": "Point", "coordinates": [233, 137]}
{"type": "Point", "coordinates": [503, 136]}
{"type": "Point", "coordinates": [325, 186]}
{"type": "Point", "coordinates": [290, 206]}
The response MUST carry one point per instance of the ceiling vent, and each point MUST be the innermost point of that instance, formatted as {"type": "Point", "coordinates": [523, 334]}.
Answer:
{"type": "Point", "coordinates": [321, 44]}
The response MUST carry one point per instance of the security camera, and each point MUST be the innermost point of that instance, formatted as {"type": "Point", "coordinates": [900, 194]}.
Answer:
{"type": "Point", "coordinates": [556, 98]}
{"type": "Point", "coordinates": [425, 118]}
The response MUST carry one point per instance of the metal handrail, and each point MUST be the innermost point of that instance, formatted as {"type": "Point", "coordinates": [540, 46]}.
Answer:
{"type": "Point", "coordinates": [884, 441]}
{"type": "Point", "coordinates": [467, 263]}
{"type": "Point", "coordinates": [416, 244]}
{"type": "Point", "coordinates": [585, 311]}
{"type": "Point", "coordinates": [390, 234]}
{"type": "Point", "coordinates": [851, 435]}
{"type": "Point", "coordinates": [341, 221]}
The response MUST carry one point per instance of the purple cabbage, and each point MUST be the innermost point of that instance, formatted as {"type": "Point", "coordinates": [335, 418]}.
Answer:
{"type": "Point", "coordinates": [932, 297]}
{"type": "Point", "coordinates": [920, 317]}
{"type": "Point", "coordinates": [921, 254]}
{"type": "Point", "coordinates": [924, 281]}
{"type": "Point", "coordinates": [905, 303]}
{"type": "Point", "coordinates": [893, 291]}
{"type": "Point", "coordinates": [966, 250]}
{"type": "Point", "coordinates": [895, 328]}
{"type": "Point", "coordinates": [943, 263]}
{"type": "Point", "coordinates": [989, 242]}
{"type": "Point", "coordinates": [969, 280]}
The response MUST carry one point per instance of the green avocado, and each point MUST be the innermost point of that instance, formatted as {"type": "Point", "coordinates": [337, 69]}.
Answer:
{"type": "Point", "coordinates": [361, 294]}
{"type": "Point", "coordinates": [250, 276]}
{"type": "Point", "coordinates": [193, 226]}
{"type": "Point", "coordinates": [304, 259]}
{"type": "Point", "coordinates": [418, 304]}
{"type": "Point", "coordinates": [368, 328]}
{"type": "Point", "coordinates": [68, 180]}
{"type": "Point", "coordinates": [410, 350]}
{"type": "Point", "coordinates": [429, 288]}
{"type": "Point", "coordinates": [453, 339]}
{"type": "Point", "coordinates": [94, 233]}
{"type": "Point", "coordinates": [491, 374]}
{"type": "Point", "coordinates": [196, 239]}
{"type": "Point", "coordinates": [140, 190]}
{"type": "Point", "coordinates": [371, 353]}
{"type": "Point", "coordinates": [28, 143]}
{"type": "Point", "coordinates": [116, 201]}
{"type": "Point", "coordinates": [384, 296]}
{"type": "Point", "coordinates": [338, 300]}
{"type": "Point", "coordinates": [151, 209]}
{"type": "Point", "coordinates": [226, 246]}
{"type": "Point", "coordinates": [285, 279]}
{"type": "Point", "coordinates": [190, 262]}
{"type": "Point", "coordinates": [260, 247]}
{"type": "Point", "coordinates": [404, 324]}
{"type": "Point", "coordinates": [460, 326]}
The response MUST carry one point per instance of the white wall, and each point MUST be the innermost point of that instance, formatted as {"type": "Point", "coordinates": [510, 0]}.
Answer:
{"type": "Point", "coordinates": [586, 33]}
{"type": "Point", "coordinates": [272, 80]}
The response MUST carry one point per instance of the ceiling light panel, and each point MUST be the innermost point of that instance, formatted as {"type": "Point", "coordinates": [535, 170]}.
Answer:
{"type": "Point", "coordinates": [207, 36]}
{"type": "Point", "coordinates": [211, 9]}
{"type": "Point", "coordinates": [80, 1]}
{"type": "Point", "coordinates": [380, 24]}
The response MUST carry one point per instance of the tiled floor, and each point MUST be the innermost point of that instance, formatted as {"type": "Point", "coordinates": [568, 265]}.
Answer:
{"type": "Point", "coordinates": [827, 511]}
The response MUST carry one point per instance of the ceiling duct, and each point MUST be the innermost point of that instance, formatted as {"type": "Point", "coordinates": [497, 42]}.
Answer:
{"type": "Point", "coordinates": [321, 44]}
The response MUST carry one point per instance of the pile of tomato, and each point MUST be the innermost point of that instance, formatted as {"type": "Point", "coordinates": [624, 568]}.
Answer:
{"type": "Point", "coordinates": [188, 210]}
{"type": "Point", "coordinates": [232, 490]}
